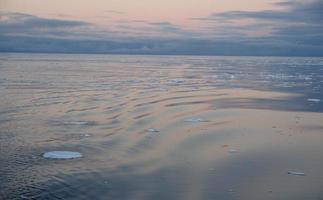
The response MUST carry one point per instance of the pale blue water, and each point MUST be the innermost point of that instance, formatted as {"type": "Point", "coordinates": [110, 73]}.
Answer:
{"type": "Point", "coordinates": [106, 106]}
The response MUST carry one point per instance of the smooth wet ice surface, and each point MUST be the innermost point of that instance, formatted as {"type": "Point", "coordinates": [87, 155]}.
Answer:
{"type": "Point", "coordinates": [161, 127]}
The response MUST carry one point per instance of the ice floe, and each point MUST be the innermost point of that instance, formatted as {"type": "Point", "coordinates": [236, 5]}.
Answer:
{"type": "Point", "coordinates": [314, 100]}
{"type": "Point", "coordinates": [233, 151]}
{"type": "Point", "coordinates": [152, 130]}
{"type": "Point", "coordinates": [62, 155]}
{"type": "Point", "coordinates": [195, 119]}
{"type": "Point", "coordinates": [296, 173]}
{"type": "Point", "coordinates": [177, 81]}
{"type": "Point", "coordinates": [78, 123]}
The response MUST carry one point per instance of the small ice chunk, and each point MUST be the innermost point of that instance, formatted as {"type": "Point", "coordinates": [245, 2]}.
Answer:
{"type": "Point", "coordinates": [24, 197]}
{"type": "Point", "coordinates": [232, 151]}
{"type": "Point", "coordinates": [62, 155]}
{"type": "Point", "coordinates": [212, 169]}
{"type": "Point", "coordinates": [195, 119]}
{"type": "Point", "coordinates": [78, 123]}
{"type": "Point", "coordinates": [314, 100]}
{"type": "Point", "coordinates": [178, 80]}
{"type": "Point", "coordinates": [296, 173]}
{"type": "Point", "coordinates": [86, 135]}
{"type": "Point", "coordinates": [152, 130]}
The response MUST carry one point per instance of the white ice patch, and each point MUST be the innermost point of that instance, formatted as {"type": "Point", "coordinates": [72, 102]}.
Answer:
{"type": "Point", "coordinates": [62, 155]}
{"type": "Point", "coordinates": [314, 100]}
{"type": "Point", "coordinates": [177, 81]}
{"type": "Point", "coordinates": [78, 123]}
{"type": "Point", "coordinates": [195, 119]}
{"type": "Point", "coordinates": [233, 151]}
{"type": "Point", "coordinates": [296, 173]}
{"type": "Point", "coordinates": [152, 130]}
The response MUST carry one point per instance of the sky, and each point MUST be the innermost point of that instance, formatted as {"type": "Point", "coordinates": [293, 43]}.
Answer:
{"type": "Point", "coordinates": [188, 27]}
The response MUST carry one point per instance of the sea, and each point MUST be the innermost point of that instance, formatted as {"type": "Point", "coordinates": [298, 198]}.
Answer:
{"type": "Point", "coordinates": [160, 127]}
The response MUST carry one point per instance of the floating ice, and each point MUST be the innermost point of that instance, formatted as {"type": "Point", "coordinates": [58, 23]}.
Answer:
{"type": "Point", "coordinates": [195, 119]}
{"type": "Point", "coordinates": [314, 100]}
{"type": "Point", "coordinates": [296, 173]}
{"type": "Point", "coordinates": [78, 123]}
{"type": "Point", "coordinates": [233, 151]}
{"type": "Point", "coordinates": [62, 155]}
{"type": "Point", "coordinates": [152, 130]}
{"type": "Point", "coordinates": [24, 197]}
{"type": "Point", "coordinates": [177, 81]}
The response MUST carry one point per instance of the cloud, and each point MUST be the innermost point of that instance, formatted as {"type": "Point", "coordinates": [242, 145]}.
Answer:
{"type": "Point", "coordinates": [296, 12]}
{"type": "Point", "coordinates": [115, 12]}
{"type": "Point", "coordinates": [247, 46]}
{"type": "Point", "coordinates": [150, 29]}
{"type": "Point", "coordinates": [295, 29]}
{"type": "Point", "coordinates": [296, 23]}
{"type": "Point", "coordinates": [28, 25]}
{"type": "Point", "coordinates": [166, 27]}
{"type": "Point", "coordinates": [260, 15]}
{"type": "Point", "coordinates": [19, 24]}
{"type": "Point", "coordinates": [24, 20]}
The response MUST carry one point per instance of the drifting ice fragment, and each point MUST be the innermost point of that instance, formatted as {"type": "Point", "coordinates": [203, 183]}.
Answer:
{"type": "Point", "coordinates": [314, 100]}
{"type": "Point", "coordinates": [152, 130]}
{"type": "Point", "coordinates": [296, 173]}
{"type": "Point", "coordinates": [24, 197]}
{"type": "Point", "coordinates": [195, 119]}
{"type": "Point", "coordinates": [233, 151]}
{"type": "Point", "coordinates": [78, 123]}
{"type": "Point", "coordinates": [177, 81]}
{"type": "Point", "coordinates": [62, 155]}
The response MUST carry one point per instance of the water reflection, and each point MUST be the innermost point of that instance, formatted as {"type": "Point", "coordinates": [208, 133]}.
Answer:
{"type": "Point", "coordinates": [102, 107]}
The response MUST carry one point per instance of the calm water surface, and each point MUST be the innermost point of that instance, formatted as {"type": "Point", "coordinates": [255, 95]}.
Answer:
{"type": "Point", "coordinates": [161, 127]}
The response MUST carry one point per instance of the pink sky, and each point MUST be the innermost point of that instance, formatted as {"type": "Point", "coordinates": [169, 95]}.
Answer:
{"type": "Point", "coordinates": [266, 27]}
{"type": "Point", "coordinates": [101, 12]}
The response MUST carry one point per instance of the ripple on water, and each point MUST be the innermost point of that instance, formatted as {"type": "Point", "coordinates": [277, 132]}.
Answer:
{"type": "Point", "coordinates": [122, 104]}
